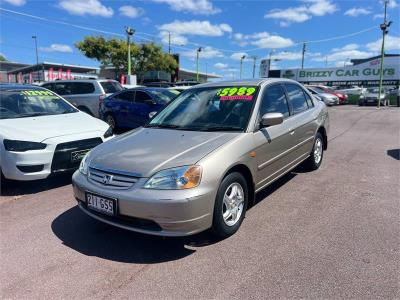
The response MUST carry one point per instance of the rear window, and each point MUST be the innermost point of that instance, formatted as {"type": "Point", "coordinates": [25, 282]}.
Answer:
{"type": "Point", "coordinates": [111, 87]}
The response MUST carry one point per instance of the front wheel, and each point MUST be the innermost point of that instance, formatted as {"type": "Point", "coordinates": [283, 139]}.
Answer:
{"type": "Point", "coordinates": [230, 205]}
{"type": "Point", "coordinates": [317, 153]}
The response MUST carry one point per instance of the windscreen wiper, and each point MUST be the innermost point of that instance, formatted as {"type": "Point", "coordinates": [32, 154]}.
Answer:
{"type": "Point", "coordinates": [163, 126]}
{"type": "Point", "coordinates": [222, 128]}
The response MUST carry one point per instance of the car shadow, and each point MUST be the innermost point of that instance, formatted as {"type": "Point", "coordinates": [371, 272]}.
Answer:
{"type": "Point", "coordinates": [17, 188]}
{"type": "Point", "coordinates": [90, 237]}
{"type": "Point", "coordinates": [394, 153]}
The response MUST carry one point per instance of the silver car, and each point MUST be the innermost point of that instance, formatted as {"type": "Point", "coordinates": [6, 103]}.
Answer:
{"type": "Point", "coordinates": [328, 99]}
{"type": "Point", "coordinates": [84, 94]}
{"type": "Point", "coordinates": [199, 162]}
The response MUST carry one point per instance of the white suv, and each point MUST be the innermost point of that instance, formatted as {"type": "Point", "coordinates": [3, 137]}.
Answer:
{"type": "Point", "coordinates": [84, 94]}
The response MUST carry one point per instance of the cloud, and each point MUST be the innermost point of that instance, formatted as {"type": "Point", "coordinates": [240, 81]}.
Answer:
{"type": "Point", "coordinates": [57, 48]}
{"type": "Point", "coordinates": [300, 14]}
{"type": "Point", "coordinates": [391, 43]}
{"type": "Point", "coordinates": [357, 11]}
{"type": "Point", "coordinates": [16, 2]}
{"type": "Point", "coordinates": [86, 7]}
{"type": "Point", "coordinates": [204, 28]}
{"type": "Point", "coordinates": [179, 30]}
{"type": "Point", "coordinates": [379, 16]}
{"type": "Point", "coordinates": [262, 40]}
{"type": "Point", "coordinates": [130, 11]}
{"type": "Point", "coordinates": [197, 7]}
{"type": "Point", "coordinates": [347, 47]}
{"type": "Point", "coordinates": [391, 3]}
{"type": "Point", "coordinates": [206, 53]}
{"type": "Point", "coordinates": [220, 66]}
{"type": "Point", "coordinates": [345, 55]}
{"type": "Point", "coordinates": [175, 39]}
{"type": "Point", "coordinates": [238, 55]}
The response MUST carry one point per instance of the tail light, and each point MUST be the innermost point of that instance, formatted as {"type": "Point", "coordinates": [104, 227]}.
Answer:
{"type": "Point", "coordinates": [101, 99]}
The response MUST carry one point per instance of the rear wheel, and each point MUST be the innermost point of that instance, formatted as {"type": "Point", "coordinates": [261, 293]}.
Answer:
{"type": "Point", "coordinates": [230, 205]}
{"type": "Point", "coordinates": [317, 153]}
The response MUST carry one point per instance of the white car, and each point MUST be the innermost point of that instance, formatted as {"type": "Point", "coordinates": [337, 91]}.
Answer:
{"type": "Point", "coordinates": [42, 134]}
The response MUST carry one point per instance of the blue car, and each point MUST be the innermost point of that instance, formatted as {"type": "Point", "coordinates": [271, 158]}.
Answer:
{"type": "Point", "coordinates": [131, 108]}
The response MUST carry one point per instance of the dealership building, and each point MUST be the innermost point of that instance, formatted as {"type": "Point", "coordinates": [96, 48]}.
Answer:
{"type": "Point", "coordinates": [362, 72]}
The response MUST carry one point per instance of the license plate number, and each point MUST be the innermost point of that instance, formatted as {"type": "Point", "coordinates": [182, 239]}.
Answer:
{"type": "Point", "coordinates": [100, 204]}
{"type": "Point", "coordinates": [78, 155]}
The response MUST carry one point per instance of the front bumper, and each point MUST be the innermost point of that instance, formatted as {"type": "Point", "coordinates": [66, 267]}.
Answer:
{"type": "Point", "coordinates": [155, 212]}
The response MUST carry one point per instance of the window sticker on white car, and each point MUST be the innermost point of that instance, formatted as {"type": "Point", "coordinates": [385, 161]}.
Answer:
{"type": "Point", "coordinates": [37, 93]}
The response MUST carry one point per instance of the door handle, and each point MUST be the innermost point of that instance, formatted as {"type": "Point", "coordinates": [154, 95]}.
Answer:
{"type": "Point", "coordinates": [292, 132]}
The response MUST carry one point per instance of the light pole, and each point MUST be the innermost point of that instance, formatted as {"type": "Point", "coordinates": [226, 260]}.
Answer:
{"type": "Point", "coordinates": [197, 63]}
{"type": "Point", "coordinates": [385, 30]}
{"type": "Point", "coordinates": [37, 56]}
{"type": "Point", "coordinates": [302, 56]}
{"type": "Point", "coordinates": [129, 32]}
{"type": "Point", "coordinates": [241, 65]}
{"type": "Point", "coordinates": [254, 65]}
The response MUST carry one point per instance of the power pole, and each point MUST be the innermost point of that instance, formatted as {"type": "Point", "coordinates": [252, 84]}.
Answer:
{"type": "Point", "coordinates": [254, 65]}
{"type": "Point", "coordinates": [129, 32]}
{"type": "Point", "coordinates": [197, 63]}
{"type": "Point", "coordinates": [37, 56]}
{"type": "Point", "coordinates": [385, 30]}
{"type": "Point", "coordinates": [169, 42]}
{"type": "Point", "coordinates": [241, 65]}
{"type": "Point", "coordinates": [302, 56]}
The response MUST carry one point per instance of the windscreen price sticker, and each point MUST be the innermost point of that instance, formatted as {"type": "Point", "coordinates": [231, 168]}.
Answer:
{"type": "Point", "coordinates": [37, 93]}
{"type": "Point", "coordinates": [236, 93]}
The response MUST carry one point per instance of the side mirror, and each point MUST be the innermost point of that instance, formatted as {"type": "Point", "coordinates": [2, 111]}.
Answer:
{"type": "Point", "coordinates": [151, 115]}
{"type": "Point", "coordinates": [271, 119]}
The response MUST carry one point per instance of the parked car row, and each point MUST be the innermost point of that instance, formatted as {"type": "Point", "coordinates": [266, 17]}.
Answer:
{"type": "Point", "coordinates": [197, 164]}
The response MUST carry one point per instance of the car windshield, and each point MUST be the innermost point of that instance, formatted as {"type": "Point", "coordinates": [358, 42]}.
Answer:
{"type": "Point", "coordinates": [111, 87]}
{"type": "Point", "coordinates": [373, 90]}
{"type": "Point", "coordinates": [209, 109]}
{"type": "Point", "coordinates": [162, 96]}
{"type": "Point", "coordinates": [318, 89]}
{"type": "Point", "coordinates": [32, 103]}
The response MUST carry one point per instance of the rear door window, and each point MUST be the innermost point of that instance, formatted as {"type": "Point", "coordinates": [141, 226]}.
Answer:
{"type": "Point", "coordinates": [63, 88]}
{"type": "Point", "coordinates": [297, 99]}
{"type": "Point", "coordinates": [125, 96]}
{"type": "Point", "coordinates": [110, 87]}
{"type": "Point", "coordinates": [141, 97]}
{"type": "Point", "coordinates": [82, 87]}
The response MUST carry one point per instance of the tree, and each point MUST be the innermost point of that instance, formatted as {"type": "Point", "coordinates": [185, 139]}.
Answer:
{"type": "Point", "coordinates": [2, 58]}
{"type": "Point", "coordinates": [145, 57]}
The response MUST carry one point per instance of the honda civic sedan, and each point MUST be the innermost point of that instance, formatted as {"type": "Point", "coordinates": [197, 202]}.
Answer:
{"type": "Point", "coordinates": [42, 134]}
{"type": "Point", "coordinates": [200, 161]}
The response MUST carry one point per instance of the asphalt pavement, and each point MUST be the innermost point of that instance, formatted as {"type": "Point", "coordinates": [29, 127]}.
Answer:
{"type": "Point", "coordinates": [333, 233]}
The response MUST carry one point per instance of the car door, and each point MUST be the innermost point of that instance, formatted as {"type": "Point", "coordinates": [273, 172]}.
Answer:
{"type": "Point", "coordinates": [121, 107]}
{"type": "Point", "coordinates": [273, 144]}
{"type": "Point", "coordinates": [144, 104]}
{"type": "Point", "coordinates": [303, 121]}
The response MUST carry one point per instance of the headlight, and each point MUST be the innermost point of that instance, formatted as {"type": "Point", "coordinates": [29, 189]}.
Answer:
{"type": "Point", "coordinates": [83, 167]}
{"type": "Point", "coordinates": [22, 146]}
{"type": "Point", "coordinates": [108, 133]}
{"type": "Point", "coordinates": [180, 178]}
{"type": "Point", "coordinates": [362, 97]}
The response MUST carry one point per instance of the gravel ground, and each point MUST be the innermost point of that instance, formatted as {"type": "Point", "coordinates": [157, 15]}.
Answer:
{"type": "Point", "coordinates": [332, 233]}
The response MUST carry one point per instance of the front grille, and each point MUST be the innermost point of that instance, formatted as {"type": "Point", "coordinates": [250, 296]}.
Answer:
{"type": "Point", "coordinates": [63, 160]}
{"type": "Point", "coordinates": [111, 178]}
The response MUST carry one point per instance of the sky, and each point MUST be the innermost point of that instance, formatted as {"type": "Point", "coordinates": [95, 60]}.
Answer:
{"type": "Point", "coordinates": [334, 31]}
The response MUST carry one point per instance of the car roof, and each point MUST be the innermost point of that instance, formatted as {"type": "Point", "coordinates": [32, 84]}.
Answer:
{"type": "Point", "coordinates": [18, 87]}
{"type": "Point", "coordinates": [145, 88]}
{"type": "Point", "coordinates": [81, 80]}
{"type": "Point", "coordinates": [244, 82]}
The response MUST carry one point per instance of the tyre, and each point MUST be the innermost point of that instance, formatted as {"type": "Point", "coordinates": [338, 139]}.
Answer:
{"type": "Point", "coordinates": [111, 121]}
{"type": "Point", "coordinates": [230, 205]}
{"type": "Point", "coordinates": [317, 153]}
